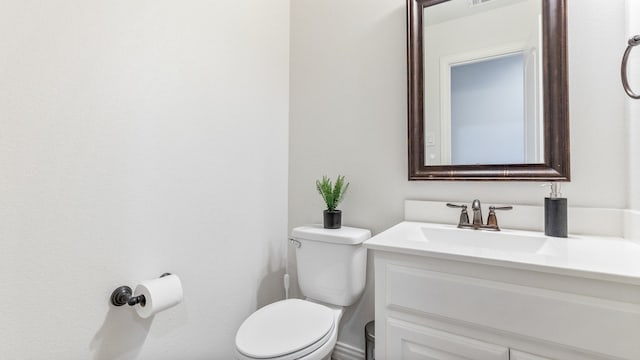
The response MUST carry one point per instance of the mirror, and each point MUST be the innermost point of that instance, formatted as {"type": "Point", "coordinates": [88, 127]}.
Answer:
{"type": "Point", "coordinates": [487, 90]}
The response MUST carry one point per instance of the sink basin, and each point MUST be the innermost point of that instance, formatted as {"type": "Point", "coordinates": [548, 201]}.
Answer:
{"type": "Point", "coordinates": [451, 237]}
{"type": "Point", "coordinates": [579, 255]}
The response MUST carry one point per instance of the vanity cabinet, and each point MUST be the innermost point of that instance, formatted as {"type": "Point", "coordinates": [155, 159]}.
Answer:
{"type": "Point", "coordinates": [439, 307]}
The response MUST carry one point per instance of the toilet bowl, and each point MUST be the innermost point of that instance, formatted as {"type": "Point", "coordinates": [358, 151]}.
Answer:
{"type": "Point", "coordinates": [331, 273]}
{"type": "Point", "coordinates": [289, 329]}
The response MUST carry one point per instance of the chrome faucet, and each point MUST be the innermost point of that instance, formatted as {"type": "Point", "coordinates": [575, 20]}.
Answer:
{"type": "Point", "coordinates": [477, 212]}
{"type": "Point", "coordinates": [477, 224]}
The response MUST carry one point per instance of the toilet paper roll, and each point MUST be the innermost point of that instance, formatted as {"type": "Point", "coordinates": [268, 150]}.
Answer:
{"type": "Point", "coordinates": [160, 294]}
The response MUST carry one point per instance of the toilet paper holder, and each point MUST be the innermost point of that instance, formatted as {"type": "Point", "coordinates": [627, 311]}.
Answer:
{"type": "Point", "coordinates": [124, 295]}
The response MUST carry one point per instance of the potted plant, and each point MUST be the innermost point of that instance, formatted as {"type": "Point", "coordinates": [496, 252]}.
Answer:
{"type": "Point", "coordinates": [332, 196]}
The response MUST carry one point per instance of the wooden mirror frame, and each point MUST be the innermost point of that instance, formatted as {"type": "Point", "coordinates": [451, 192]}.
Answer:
{"type": "Point", "coordinates": [555, 97]}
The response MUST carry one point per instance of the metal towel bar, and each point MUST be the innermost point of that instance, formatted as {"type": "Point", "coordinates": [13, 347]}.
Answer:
{"type": "Point", "coordinates": [623, 69]}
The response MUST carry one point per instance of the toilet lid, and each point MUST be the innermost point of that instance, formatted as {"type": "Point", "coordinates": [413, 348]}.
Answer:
{"type": "Point", "coordinates": [284, 327]}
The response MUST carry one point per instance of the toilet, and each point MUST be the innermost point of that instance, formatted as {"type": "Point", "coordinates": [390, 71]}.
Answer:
{"type": "Point", "coordinates": [331, 274]}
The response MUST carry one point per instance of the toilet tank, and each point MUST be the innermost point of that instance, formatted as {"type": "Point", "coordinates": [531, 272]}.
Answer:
{"type": "Point", "coordinates": [332, 263]}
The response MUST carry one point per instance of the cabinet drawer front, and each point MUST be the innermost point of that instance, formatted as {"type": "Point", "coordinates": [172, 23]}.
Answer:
{"type": "Point", "coordinates": [518, 355]}
{"type": "Point", "coordinates": [598, 325]}
{"type": "Point", "coordinates": [412, 341]}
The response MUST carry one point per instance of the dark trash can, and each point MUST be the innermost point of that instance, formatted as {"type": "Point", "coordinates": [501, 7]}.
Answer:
{"type": "Point", "coordinates": [369, 338]}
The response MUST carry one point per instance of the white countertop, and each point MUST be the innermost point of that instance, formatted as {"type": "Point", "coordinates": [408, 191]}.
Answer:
{"type": "Point", "coordinates": [596, 257]}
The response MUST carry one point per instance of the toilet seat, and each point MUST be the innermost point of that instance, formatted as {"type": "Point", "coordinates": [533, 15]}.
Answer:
{"type": "Point", "coordinates": [287, 329]}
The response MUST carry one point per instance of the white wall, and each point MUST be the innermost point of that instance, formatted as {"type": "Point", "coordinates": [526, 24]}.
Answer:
{"type": "Point", "coordinates": [349, 116]}
{"type": "Point", "coordinates": [632, 228]}
{"type": "Point", "coordinates": [633, 106]}
{"type": "Point", "coordinates": [138, 137]}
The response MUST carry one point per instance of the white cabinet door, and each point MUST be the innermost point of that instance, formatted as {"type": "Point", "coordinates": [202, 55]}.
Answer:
{"type": "Point", "coordinates": [409, 341]}
{"type": "Point", "coordinates": [519, 355]}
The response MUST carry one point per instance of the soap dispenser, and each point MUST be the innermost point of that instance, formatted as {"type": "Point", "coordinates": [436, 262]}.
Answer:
{"type": "Point", "coordinates": [555, 212]}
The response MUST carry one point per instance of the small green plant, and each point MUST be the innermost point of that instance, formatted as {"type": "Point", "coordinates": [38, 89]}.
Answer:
{"type": "Point", "coordinates": [332, 194]}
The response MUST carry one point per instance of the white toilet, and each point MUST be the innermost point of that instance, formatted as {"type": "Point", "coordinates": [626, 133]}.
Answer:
{"type": "Point", "coordinates": [331, 274]}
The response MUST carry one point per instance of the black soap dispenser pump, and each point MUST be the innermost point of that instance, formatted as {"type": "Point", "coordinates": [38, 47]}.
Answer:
{"type": "Point", "coordinates": [555, 213]}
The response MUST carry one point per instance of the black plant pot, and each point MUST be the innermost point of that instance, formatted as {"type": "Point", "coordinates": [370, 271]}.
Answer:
{"type": "Point", "coordinates": [332, 219]}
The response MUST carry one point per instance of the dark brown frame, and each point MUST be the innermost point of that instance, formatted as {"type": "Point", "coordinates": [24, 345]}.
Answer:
{"type": "Point", "coordinates": [556, 106]}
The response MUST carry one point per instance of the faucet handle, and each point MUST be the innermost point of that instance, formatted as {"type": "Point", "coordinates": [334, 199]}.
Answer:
{"type": "Point", "coordinates": [500, 208]}
{"type": "Point", "coordinates": [464, 215]}
{"type": "Point", "coordinates": [456, 206]}
{"type": "Point", "coordinates": [492, 219]}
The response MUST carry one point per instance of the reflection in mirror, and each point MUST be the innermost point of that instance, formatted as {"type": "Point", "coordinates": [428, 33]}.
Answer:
{"type": "Point", "coordinates": [482, 76]}
{"type": "Point", "coordinates": [487, 111]}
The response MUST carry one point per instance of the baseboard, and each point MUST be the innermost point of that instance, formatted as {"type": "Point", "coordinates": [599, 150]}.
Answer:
{"type": "Point", "coordinates": [344, 351]}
